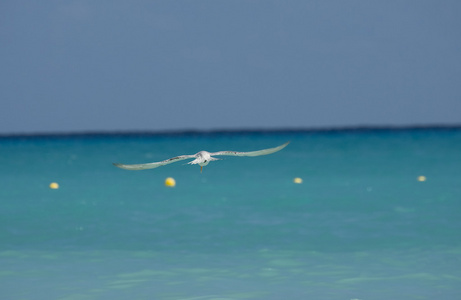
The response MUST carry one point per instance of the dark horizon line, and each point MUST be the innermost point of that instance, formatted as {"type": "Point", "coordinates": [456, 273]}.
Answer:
{"type": "Point", "coordinates": [332, 129]}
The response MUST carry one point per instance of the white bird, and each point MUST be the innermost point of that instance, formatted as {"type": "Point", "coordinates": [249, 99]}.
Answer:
{"type": "Point", "coordinates": [202, 158]}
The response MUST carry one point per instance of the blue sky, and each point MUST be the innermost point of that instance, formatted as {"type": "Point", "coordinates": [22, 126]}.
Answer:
{"type": "Point", "coordinates": [69, 66]}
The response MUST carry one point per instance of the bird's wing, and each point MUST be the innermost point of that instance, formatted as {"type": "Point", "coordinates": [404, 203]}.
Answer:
{"type": "Point", "coordinates": [252, 153]}
{"type": "Point", "coordinates": [154, 164]}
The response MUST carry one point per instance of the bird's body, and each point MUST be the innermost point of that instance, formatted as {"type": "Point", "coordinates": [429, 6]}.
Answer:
{"type": "Point", "coordinates": [202, 158]}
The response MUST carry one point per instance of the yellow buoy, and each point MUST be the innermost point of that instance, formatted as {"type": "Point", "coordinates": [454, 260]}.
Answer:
{"type": "Point", "coordinates": [170, 182]}
{"type": "Point", "coordinates": [298, 180]}
{"type": "Point", "coordinates": [54, 186]}
{"type": "Point", "coordinates": [421, 178]}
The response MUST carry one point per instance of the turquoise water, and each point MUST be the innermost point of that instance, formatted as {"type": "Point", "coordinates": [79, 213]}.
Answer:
{"type": "Point", "coordinates": [360, 226]}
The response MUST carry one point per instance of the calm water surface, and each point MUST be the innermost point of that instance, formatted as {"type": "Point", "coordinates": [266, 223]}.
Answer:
{"type": "Point", "coordinates": [360, 226]}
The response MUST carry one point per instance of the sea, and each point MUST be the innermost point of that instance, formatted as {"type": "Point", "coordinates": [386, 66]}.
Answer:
{"type": "Point", "coordinates": [377, 216]}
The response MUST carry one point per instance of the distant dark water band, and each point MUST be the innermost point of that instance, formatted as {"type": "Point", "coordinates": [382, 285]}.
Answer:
{"type": "Point", "coordinates": [240, 131]}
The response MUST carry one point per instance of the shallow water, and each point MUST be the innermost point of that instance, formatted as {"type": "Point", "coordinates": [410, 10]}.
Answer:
{"type": "Point", "coordinates": [360, 226]}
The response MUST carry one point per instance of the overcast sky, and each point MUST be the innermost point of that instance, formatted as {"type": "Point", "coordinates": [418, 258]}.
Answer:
{"type": "Point", "coordinates": [168, 65]}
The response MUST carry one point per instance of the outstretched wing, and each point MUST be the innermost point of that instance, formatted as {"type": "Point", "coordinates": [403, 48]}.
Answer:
{"type": "Point", "coordinates": [154, 164]}
{"type": "Point", "coordinates": [252, 153]}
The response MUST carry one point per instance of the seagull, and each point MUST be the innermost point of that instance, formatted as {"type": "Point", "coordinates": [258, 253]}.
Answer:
{"type": "Point", "coordinates": [202, 158]}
